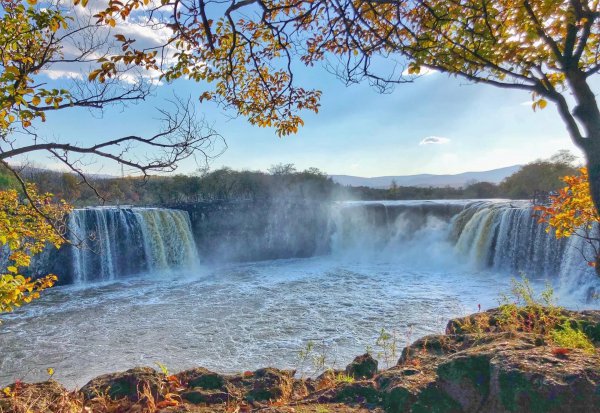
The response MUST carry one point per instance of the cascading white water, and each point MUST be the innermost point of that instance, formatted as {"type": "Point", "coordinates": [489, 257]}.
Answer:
{"type": "Point", "coordinates": [167, 237]}
{"type": "Point", "coordinates": [112, 242]}
{"type": "Point", "coordinates": [403, 266]}
{"type": "Point", "coordinates": [501, 235]}
{"type": "Point", "coordinates": [507, 236]}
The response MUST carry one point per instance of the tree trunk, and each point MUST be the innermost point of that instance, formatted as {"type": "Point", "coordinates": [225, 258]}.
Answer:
{"type": "Point", "coordinates": [592, 154]}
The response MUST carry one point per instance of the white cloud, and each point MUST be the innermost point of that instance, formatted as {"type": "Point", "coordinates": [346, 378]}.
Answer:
{"type": "Point", "coordinates": [425, 71]}
{"type": "Point", "coordinates": [434, 140]}
{"type": "Point", "coordinates": [61, 74]}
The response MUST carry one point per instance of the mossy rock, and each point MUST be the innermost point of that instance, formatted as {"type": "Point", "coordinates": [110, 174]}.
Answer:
{"type": "Point", "coordinates": [205, 396]}
{"type": "Point", "coordinates": [519, 393]}
{"type": "Point", "coordinates": [202, 378]}
{"type": "Point", "coordinates": [129, 384]}
{"type": "Point", "coordinates": [210, 381]}
{"type": "Point", "coordinates": [467, 379]}
{"type": "Point", "coordinates": [437, 345]}
{"type": "Point", "coordinates": [362, 367]}
{"type": "Point", "coordinates": [359, 392]}
{"type": "Point", "coordinates": [523, 391]}
{"type": "Point", "coordinates": [434, 400]}
{"type": "Point", "coordinates": [589, 323]}
{"type": "Point", "coordinates": [398, 399]}
{"type": "Point", "coordinates": [47, 396]}
{"type": "Point", "coordinates": [270, 384]}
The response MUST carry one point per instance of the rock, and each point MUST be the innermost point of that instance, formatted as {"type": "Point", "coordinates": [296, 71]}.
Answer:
{"type": "Point", "coordinates": [270, 384]}
{"type": "Point", "coordinates": [536, 381]}
{"type": "Point", "coordinates": [325, 380]}
{"type": "Point", "coordinates": [300, 389]}
{"type": "Point", "coordinates": [467, 378]}
{"type": "Point", "coordinates": [488, 322]}
{"type": "Point", "coordinates": [205, 396]}
{"type": "Point", "coordinates": [358, 392]}
{"type": "Point", "coordinates": [129, 384]}
{"type": "Point", "coordinates": [589, 321]}
{"type": "Point", "coordinates": [362, 367]}
{"type": "Point", "coordinates": [201, 377]}
{"type": "Point", "coordinates": [486, 371]}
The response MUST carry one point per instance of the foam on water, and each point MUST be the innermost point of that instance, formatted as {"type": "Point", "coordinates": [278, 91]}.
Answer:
{"type": "Point", "coordinates": [232, 318]}
{"type": "Point", "coordinates": [404, 266]}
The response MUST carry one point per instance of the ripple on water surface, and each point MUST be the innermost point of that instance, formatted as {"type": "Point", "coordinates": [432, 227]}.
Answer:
{"type": "Point", "coordinates": [233, 318]}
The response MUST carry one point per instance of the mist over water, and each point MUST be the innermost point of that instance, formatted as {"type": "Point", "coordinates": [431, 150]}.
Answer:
{"type": "Point", "coordinates": [404, 266]}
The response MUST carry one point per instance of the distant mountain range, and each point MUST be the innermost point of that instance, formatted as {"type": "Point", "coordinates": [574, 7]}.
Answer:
{"type": "Point", "coordinates": [456, 181]}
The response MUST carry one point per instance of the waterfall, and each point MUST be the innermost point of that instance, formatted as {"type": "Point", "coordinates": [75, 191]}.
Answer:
{"type": "Point", "coordinates": [499, 235]}
{"type": "Point", "coordinates": [110, 242]}
{"type": "Point", "coordinates": [411, 232]}
{"type": "Point", "coordinates": [506, 236]}
{"type": "Point", "coordinates": [503, 236]}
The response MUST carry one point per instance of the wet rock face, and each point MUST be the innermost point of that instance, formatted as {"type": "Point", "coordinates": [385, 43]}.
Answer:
{"type": "Point", "coordinates": [227, 231]}
{"type": "Point", "coordinates": [363, 367]}
{"type": "Point", "coordinates": [129, 384]}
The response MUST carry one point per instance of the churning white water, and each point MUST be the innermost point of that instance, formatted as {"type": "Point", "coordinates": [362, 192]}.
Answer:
{"type": "Point", "coordinates": [404, 266]}
{"type": "Point", "coordinates": [116, 242]}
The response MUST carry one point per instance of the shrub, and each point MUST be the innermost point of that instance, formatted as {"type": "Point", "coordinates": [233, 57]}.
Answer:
{"type": "Point", "coordinates": [568, 337]}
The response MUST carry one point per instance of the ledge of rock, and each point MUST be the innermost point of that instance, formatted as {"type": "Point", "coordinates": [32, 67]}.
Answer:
{"type": "Point", "coordinates": [457, 372]}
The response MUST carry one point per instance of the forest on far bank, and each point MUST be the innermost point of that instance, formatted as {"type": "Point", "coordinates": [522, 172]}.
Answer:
{"type": "Point", "coordinates": [283, 180]}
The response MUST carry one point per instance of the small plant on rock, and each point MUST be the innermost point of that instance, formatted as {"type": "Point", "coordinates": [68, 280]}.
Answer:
{"type": "Point", "coordinates": [566, 336]}
{"type": "Point", "coordinates": [315, 355]}
{"type": "Point", "coordinates": [344, 378]}
{"type": "Point", "coordinates": [524, 312]}
{"type": "Point", "coordinates": [387, 344]}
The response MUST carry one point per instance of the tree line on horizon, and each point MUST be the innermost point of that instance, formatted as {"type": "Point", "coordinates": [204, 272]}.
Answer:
{"type": "Point", "coordinates": [282, 181]}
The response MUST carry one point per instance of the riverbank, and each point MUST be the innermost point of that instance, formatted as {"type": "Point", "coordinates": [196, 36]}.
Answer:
{"type": "Point", "coordinates": [481, 364]}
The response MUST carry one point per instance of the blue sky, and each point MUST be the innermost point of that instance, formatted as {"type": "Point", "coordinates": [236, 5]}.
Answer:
{"type": "Point", "coordinates": [357, 131]}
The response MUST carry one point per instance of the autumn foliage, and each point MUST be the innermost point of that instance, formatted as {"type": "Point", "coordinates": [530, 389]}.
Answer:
{"type": "Point", "coordinates": [26, 228]}
{"type": "Point", "coordinates": [25, 35]}
{"type": "Point", "coordinates": [571, 210]}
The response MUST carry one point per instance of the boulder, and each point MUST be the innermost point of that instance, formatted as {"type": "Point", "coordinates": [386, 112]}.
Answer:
{"type": "Point", "coordinates": [202, 378]}
{"type": "Point", "coordinates": [362, 367]}
{"type": "Point", "coordinates": [270, 384]}
{"type": "Point", "coordinates": [205, 396]}
{"type": "Point", "coordinates": [362, 392]}
{"type": "Point", "coordinates": [129, 384]}
{"type": "Point", "coordinates": [326, 380]}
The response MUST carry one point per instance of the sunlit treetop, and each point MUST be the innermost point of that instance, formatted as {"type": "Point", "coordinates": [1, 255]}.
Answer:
{"type": "Point", "coordinates": [248, 49]}
{"type": "Point", "coordinates": [571, 210]}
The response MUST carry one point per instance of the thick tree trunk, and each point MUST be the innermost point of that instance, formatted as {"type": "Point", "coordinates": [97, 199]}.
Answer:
{"type": "Point", "coordinates": [592, 153]}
